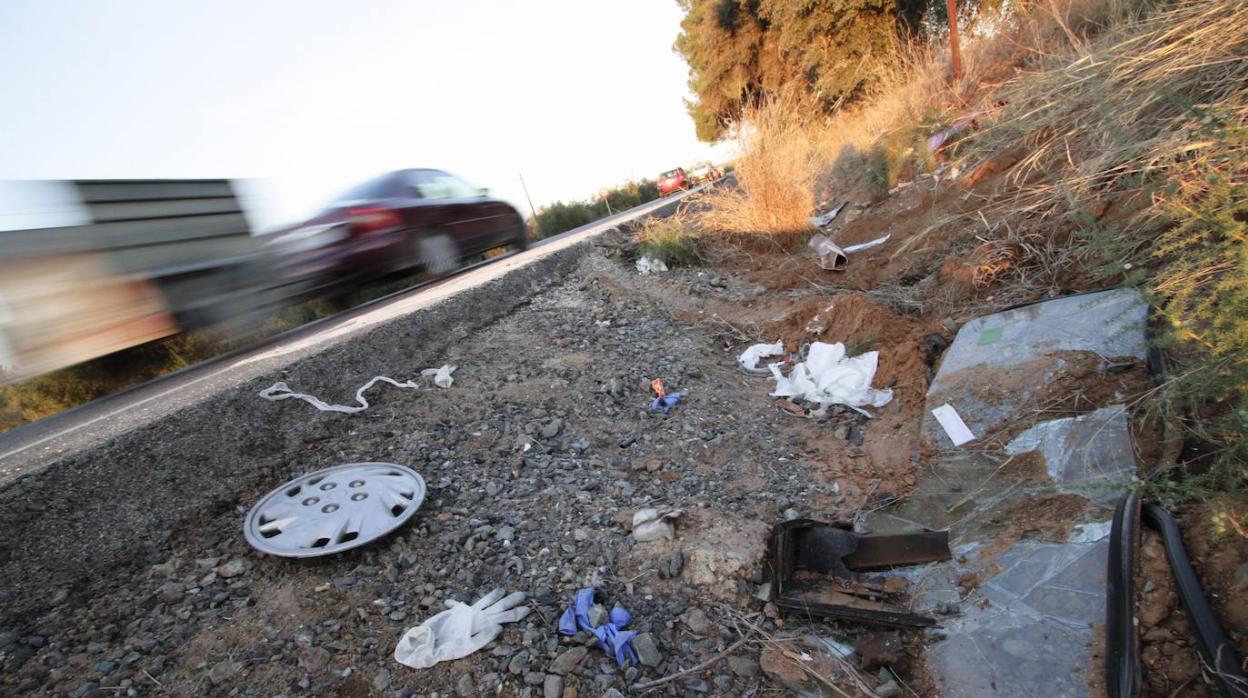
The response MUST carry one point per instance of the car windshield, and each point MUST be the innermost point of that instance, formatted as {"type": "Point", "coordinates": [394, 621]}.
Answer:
{"type": "Point", "coordinates": [376, 188]}
{"type": "Point", "coordinates": [673, 173]}
{"type": "Point", "coordinates": [436, 184]}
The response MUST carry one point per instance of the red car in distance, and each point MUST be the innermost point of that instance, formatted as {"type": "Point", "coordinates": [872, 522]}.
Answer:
{"type": "Point", "coordinates": [673, 181]}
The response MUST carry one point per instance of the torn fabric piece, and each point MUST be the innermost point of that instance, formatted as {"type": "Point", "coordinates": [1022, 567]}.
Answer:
{"type": "Point", "coordinates": [611, 635]}
{"type": "Point", "coordinates": [828, 377]}
{"type": "Point", "coordinates": [281, 391]}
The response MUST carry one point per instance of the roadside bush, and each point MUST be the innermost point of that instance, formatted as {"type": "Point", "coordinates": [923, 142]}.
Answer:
{"type": "Point", "coordinates": [561, 217]}
{"type": "Point", "coordinates": [671, 239]}
{"type": "Point", "coordinates": [776, 175]}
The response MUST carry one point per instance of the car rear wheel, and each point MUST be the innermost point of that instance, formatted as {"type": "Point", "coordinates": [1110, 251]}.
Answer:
{"type": "Point", "coordinates": [521, 237]}
{"type": "Point", "coordinates": [437, 253]}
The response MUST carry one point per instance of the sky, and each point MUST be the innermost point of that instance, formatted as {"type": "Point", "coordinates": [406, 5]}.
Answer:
{"type": "Point", "coordinates": [305, 98]}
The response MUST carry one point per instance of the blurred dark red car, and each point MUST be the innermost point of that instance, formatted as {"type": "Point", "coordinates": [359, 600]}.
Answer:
{"type": "Point", "coordinates": [408, 219]}
{"type": "Point", "coordinates": [672, 181]}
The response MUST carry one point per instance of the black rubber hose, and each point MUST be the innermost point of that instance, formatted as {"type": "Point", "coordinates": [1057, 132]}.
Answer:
{"type": "Point", "coordinates": [1216, 650]}
{"type": "Point", "coordinates": [1122, 635]}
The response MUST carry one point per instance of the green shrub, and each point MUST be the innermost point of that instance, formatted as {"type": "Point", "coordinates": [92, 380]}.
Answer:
{"type": "Point", "coordinates": [1202, 287]}
{"type": "Point", "coordinates": [561, 216]}
{"type": "Point", "coordinates": [671, 240]}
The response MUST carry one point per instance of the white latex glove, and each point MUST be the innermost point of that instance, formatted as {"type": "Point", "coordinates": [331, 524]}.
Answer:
{"type": "Point", "coordinates": [460, 630]}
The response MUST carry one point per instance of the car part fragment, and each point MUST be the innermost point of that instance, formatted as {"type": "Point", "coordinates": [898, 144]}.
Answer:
{"type": "Point", "coordinates": [817, 569]}
{"type": "Point", "coordinates": [1122, 635]}
{"type": "Point", "coordinates": [335, 509]}
{"type": "Point", "coordinates": [1122, 640]}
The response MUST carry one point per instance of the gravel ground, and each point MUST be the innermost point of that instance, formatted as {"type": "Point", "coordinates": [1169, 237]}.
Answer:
{"type": "Point", "coordinates": [143, 584]}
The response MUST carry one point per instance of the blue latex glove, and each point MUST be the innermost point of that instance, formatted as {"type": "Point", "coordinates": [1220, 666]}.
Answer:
{"type": "Point", "coordinates": [665, 403]}
{"type": "Point", "coordinates": [611, 635]}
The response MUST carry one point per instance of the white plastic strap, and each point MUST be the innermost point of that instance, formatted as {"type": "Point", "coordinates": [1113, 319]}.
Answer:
{"type": "Point", "coordinates": [281, 391]}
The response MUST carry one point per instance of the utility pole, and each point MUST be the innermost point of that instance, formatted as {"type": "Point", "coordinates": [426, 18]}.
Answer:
{"type": "Point", "coordinates": [951, 9]}
{"type": "Point", "coordinates": [530, 199]}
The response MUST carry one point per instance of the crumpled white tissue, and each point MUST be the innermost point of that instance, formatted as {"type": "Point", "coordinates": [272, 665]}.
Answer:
{"type": "Point", "coordinates": [460, 630]}
{"type": "Point", "coordinates": [749, 358]}
{"type": "Point", "coordinates": [828, 377]}
{"type": "Point", "coordinates": [441, 376]}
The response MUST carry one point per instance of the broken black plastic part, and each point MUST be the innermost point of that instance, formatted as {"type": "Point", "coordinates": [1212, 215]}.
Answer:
{"type": "Point", "coordinates": [1215, 649]}
{"type": "Point", "coordinates": [805, 545]}
{"type": "Point", "coordinates": [1122, 635]}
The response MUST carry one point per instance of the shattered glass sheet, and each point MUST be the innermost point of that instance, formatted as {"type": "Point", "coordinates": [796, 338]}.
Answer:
{"type": "Point", "coordinates": [1081, 448]}
{"type": "Point", "coordinates": [1027, 618]}
{"type": "Point", "coordinates": [997, 363]}
{"type": "Point", "coordinates": [1032, 636]}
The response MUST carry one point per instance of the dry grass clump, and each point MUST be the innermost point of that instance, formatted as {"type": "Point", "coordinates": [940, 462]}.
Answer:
{"type": "Point", "coordinates": [775, 175]}
{"type": "Point", "coordinates": [994, 258]}
{"type": "Point", "coordinates": [1111, 116]}
{"type": "Point", "coordinates": [793, 156]}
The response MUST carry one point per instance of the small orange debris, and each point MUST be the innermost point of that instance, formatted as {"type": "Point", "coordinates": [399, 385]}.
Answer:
{"type": "Point", "coordinates": [657, 386]}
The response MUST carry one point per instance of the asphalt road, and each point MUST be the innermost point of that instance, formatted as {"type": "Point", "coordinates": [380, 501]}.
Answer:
{"type": "Point", "coordinates": [34, 445]}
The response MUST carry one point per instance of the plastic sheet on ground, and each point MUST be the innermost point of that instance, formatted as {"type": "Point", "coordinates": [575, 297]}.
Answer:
{"type": "Point", "coordinates": [829, 377]}
{"type": "Point", "coordinates": [1031, 345]}
{"type": "Point", "coordinates": [1031, 638]}
{"type": "Point", "coordinates": [1030, 612]}
{"type": "Point", "coordinates": [1094, 445]}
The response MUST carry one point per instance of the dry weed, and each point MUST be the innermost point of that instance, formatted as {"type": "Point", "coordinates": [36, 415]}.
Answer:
{"type": "Point", "coordinates": [775, 176]}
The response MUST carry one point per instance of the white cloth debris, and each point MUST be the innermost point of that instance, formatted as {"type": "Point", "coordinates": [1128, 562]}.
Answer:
{"type": "Point", "coordinates": [828, 377]}
{"type": "Point", "coordinates": [867, 245]}
{"type": "Point", "coordinates": [646, 265]}
{"type": "Point", "coordinates": [653, 524]}
{"type": "Point", "coordinates": [749, 358]}
{"type": "Point", "coordinates": [281, 391]}
{"type": "Point", "coordinates": [441, 375]}
{"type": "Point", "coordinates": [460, 630]}
{"type": "Point", "coordinates": [953, 425]}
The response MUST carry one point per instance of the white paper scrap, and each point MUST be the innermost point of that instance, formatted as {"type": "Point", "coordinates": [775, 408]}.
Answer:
{"type": "Point", "coordinates": [953, 425]}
